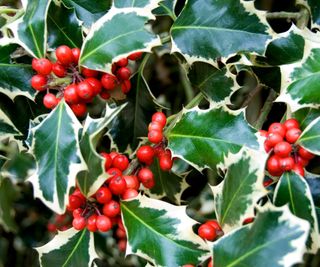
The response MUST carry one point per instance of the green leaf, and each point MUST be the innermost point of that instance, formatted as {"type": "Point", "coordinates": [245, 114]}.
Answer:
{"type": "Point", "coordinates": [315, 12]}
{"type": "Point", "coordinates": [236, 196]}
{"type": "Point", "coordinates": [167, 184]}
{"type": "Point", "coordinates": [134, 3]}
{"type": "Point", "coordinates": [88, 11]}
{"type": "Point", "coordinates": [166, 8]}
{"type": "Point", "coordinates": [68, 249]}
{"type": "Point", "coordinates": [30, 30]}
{"type": "Point", "coordinates": [64, 28]}
{"type": "Point", "coordinates": [8, 195]}
{"type": "Point", "coordinates": [7, 129]}
{"type": "Point", "coordinates": [206, 30]}
{"type": "Point", "coordinates": [214, 132]}
{"type": "Point", "coordinates": [292, 189]}
{"type": "Point", "coordinates": [165, 232]}
{"type": "Point", "coordinates": [216, 84]}
{"type": "Point", "coordinates": [55, 147]}
{"type": "Point", "coordinates": [91, 179]}
{"type": "Point", "coordinates": [14, 77]}
{"type": "Point", "coordinates": [276, 238]}
{"type": "Point", "coordinates": [310, 137]}
{"type": "Point", "coordinates": [2, 161]}
{"type": "Point", "coordinates": [313, 181]}
{"type": "Point", "coordinates": [116, 35]}
{"type": "Point", "coordinates": [305, 116]}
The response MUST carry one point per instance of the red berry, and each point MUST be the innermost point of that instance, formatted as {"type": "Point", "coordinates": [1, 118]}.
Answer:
{"type": "Point", "coordinates": [43, 66]}
{"type": "Point", "coordinates": [188, 265]}
{"type": "Point", "coordinates": [96, 85]}
{"type": "Point", "coordinates": [123, 73]}
{"type": "Point", "coordinates": [111, 209]}
{"type": "Point", "coordinates": [85, 90]}
{"type": "Point", "coordinates": [273, 139]}
{"type": "Point", "coordinates": [129, 193]}
{"type": "Point", "coordinates": [113, 172]}
{"type": "Point", "coordinates": [207, 232]}
{"type": "Point", "coordinates": [159, 117]}
{"type": "Point", "coordinates": [282, 149]}
{"type": "Point", "coordinates": [89, 73]}
{"type": "Point", "coordinates": [64, 55]}
{"type": "Point", "coordinates": [92, 223]}
{"type": "Point", "coordinates": [165, 163]}
{"type": "Point", "coordinates": [297, 168]}
{"type": "Point", "coordinates": [103, 195]}
{"type": "Point", "coordinates": [51, 227]}
{"type": "Point", "coordinates": [108, 160]}
{"type": "Point", "coordinates": [70, 94]}
{"type": "Point", "coordinates": [79, 109]}
{"type": "Point", "coordinates": [104, 95]}
{"type": "Point", "coordinates": [77, 212]}
{"type": "Point", "coordinates": [123, 62]}
{"type": "Point", "coordinates": [291, 123]}
{"type": "Point", "coordinates": [305, 153]}
{"type": "Point", "coordinates": [109, 81]}
{"type": "Point", "coordinates": [277, 127]}
{"type": "Point", "coordinates": [120, 233]}
{"type": "Point", "coordinates": [132, 181]}
{"type": "Point", "coordinates": [156, 126]}
{"type": "Point", "coordinates": [214, 224]}
{"type": "Point", "coordinates": [273, 165]}
{"type": "Point", "coordinates": [267, 182]}
{"type": "Point", "coordinates": [155, 136]}
{"type": "Point", "coordinates": [122, 245]}
{"type": "Point", "coordinates": [145, 175]}
{"type": "Point", "coordinates": [50, 101]}
{"type": "Point", "coordinates": [145, 154]}
{"type": "Point", "coordinates": [79, 223]}
{"type": "Point", "coordinates": [125, 86]}
{"type": "Point", "coordinates": [39, 82]}
{"type": "Point", "coordinates": [58, 70]}
{"type": "Point", "coordinates": [135, 56]}
{"type": "Point", "coordinates": [149, 184]}
{"type": "Point", "coordinates": [248, 220]}
{"type": "Point", "coordinates": [113, 154]}
{"type": "Point", "coordinates": [120, 162]}
{"type": "Point", "coordinates": [292, 135]}
{"type": "Point", "coordinates": [117, 185]}
{"type": "Point", "coordinates": [286, 164]}
{"type": "Point", "coordinates": [103, 223]}
{"type": "Point", "coordinates": [210, 264]}
{"type": "Point", "coordinates": [75, 54]}
{"type": "Point", "coordinates": [263, 133]}
{"type": "Point", "coordinates": [114, 68]}
{"type": "Point", "coordinates": [35, 63]}
{"type": "Point", "coordinates": [302, 161]}
{"type": "Point", "coordinates": [78, 193]}
{"type": "Point", "coordinates": [266, 147]}
{"type": "Point", "coordinates": [75, 202]}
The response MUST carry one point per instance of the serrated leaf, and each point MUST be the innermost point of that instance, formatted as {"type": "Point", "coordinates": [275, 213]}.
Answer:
{"type": "Point", "coordinates": [14, 77]}
{"type": "Point", "coordinates": [305, 116]}
{"type": "Point", "coordinates": [88, 11]}
{"type": "Point", "coordinates": [214, 132]}
{"type": "Point", "coordinates": [167, 184]}
{"type": "Point", "coordinates": [91, 179]}
{"type": "Point", "coordinates": [315, 12]}
{"type": "Point", "coordinates": [276, 238]}
{"type": "Point", "coordinates": [206, 30]}
{"type": "Point", "coordinates": [7, 129]}
{"type": "Point", "coordinates": [55, 147]}
{"type": "Point", "coordinates": [310, 137]}
{"type": "Point", "coordinates": [292, 189]}
{"type": "Point", "coordinates": [116, 35]}
{"type": "Point", "coordinates": [8, 195]}
{"type": "Point", "coordinates": [165, 232]}
{"type": "Point", "coordinates": [64, 28]}
{"type": "Point", "coordinates": [236, 196]}
{"type": "Point", "coordinates": [216, 84]}
{"type": "Point", "coordinates": [30, 30]}
{"type": "Point", "coordinates": [68, 248]}
{"type": "Point", "coordinates": [166, 8]}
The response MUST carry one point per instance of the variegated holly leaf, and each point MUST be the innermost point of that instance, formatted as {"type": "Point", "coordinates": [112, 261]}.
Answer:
{"type": "Point", "coordinates": [88, 11]}
{"type": "Point", "coordinates": [167, 184]}
{"type": "Point", "coordinates": [68, 248]}
{"type": "Point", "coordinates": [165, 232]}
{"type": "Point", "coordinates": [134, 3]}
{"type": "Point", "coordinates": [30, 31]}
{"type": "Point", "coordinates": [14, 77]}
{"type": "Point", "coordinates": [8, 195]}
{"type": "Point", "coordinates": [310, 137]}
{"type": "Point", "coordinates": [276, 238]}
{"type": "Point", "coordinates": [305, 116]}
{"type": "Point", "coordinates": [166, 8]}
{"type": "Point", "coordinates": [117, 34]}
{"type": "Point", "coordinates": [292, 189]}
{"type": "Point", "coordinates": [55, 147]}
{"type": "Point", "coordinates": [216, 84]}
{"type": "Point", "coordinates": [214, 132]}
{"type": "Point", "coordinates": [7, 128]}
{"type": "Point", "coordinates": [301, 75]}
{"type": "Point", "coordinates": [206, 30]}
{"type": "Point", "coordinates": [91, 179]}
{"type": "Point", "coordinates": [315, 12]}
{"type": "Point", "coordinates": [64, 28]}
{"type": "Point", "coordinates": [236, 196]}
{"type": "Point", "coordinates": [313, 181]}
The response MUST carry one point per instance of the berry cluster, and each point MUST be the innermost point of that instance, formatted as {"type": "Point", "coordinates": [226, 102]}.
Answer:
{"type": "Point", "coordinates": [285, 154]}
{"type": "Point", "coordinates": [77, 87]}
{"type": "Point", "coordinates": [210, 230]}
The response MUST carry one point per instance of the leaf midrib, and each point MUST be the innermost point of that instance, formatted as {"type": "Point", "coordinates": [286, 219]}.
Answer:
{"type": "Point", "coordinates": [74, 248]}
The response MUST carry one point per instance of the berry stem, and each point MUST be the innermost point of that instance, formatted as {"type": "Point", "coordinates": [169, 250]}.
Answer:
{"type": "Point", "coordinates": [60, 81]}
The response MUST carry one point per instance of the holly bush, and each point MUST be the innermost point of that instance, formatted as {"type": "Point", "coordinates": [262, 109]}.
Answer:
{"type": "Point", "coordinates": [159, 133]}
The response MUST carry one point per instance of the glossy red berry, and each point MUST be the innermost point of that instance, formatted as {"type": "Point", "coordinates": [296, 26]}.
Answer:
{"type": "Point", "coordinates": [75, 54]}
{"type": "Point", "coordinates": [122, 245]}
{"type": "Point", "coordinates": [273, 165]}
{"type": "Point", "coordinates": [277, 127]}
{"type": "Point", "coordinates": [165, 163]}
{"type": "Point", "coordinates": [79, 223]}
{"type": "Point", "coordinates": [70, 94]}
{"type": "Point", "coordinates": [92, 223]}
{"type": "Point", "coordinates": [39, 82]}
{"type": "Point", "coordinates": [286, 164]}
{"type": "Point", "coordinates": [214, 224]}
{"type": "Point", "coordinates": [129, 193]}
{"type": "Point", "coordinates": [109, 82]}
{"type": "Point", "coordinates": [108, 160]}
{"type": "Point", "coordinates": [292, 135]}
{"type": "Point", "coordinates": [75, 202]}
{"type": "Point", "coordinates": [207, 232]}
{"type": "Point", "coordinates": [85, 90]}
{"type": "Point", "coordinates": [282, 149]}
{"type": "Point", "coordinates": [273, 139]}
{"type": "Point", "coordinates": [291, 123]}
{"type": "Point", "coordinates": [103, 223]}
{"type": "Point", "coordinates": [160, 118]}
{"type": "Point", "coordinates": [114, 172]}
{"type": "Point", "coordinates": [267, 182]}
{"type": "Point", "coordinates": [111, 209]}
{"type": "Point", "coordinates": [103, 195]}
{"type": "Point", "coordinates": [156, 126]}
{"type": "Point", "coordinates": [123, 73]}
{"type": "Point", "coordinates": [135, 56]}
{"type": "Point", "coordinates": [64, 55]}
{"type": "Point", "coordinates": [145, 154]}
{"type": "Point", "coordinates": [301, 161]}
{"type": "Point", "coordinates": [123, 62]}
{"type": "Point", "coordinates": [50, 101]}
{"type": "Point", "coordinates": [297, 168]}
{"type": "Point", "coordinates": [104, 95]}
{"type": "Point", "coordinates": [149, 184]}
{"type": "Point", "coordinates": [145, 175]}
{"type": "Point", "coordinates": [59, 70]}
{"type": "Point", "coordinates": [79, 109]}
{"type": "Point", "coordinates": [120, 233]}
{"type": "Point", "coordinates": [77, 212]}
{"type": "Point", "coordinates": [266, 147]}
{"type": "Point", "coordinates": [89, 73]}
{"type": "Point", "coordinates": [43, 66]}
{"type": "Point", "coordinates": [125, 86]}
{"type": "Point", "coordinates": [305, 153]}
{"type": "Point", "coordinates": [96, 85]}
{"type": "Point", "coordinates": [120, 162]}
{"type": "Point", "coordinates": [117, 185]}
{"type": "Point", "coordinates": [155, 136]}
{"type": "Point", "coordinates": [113, 154]}
{"type": "Point", "coordinates": [132, 181]}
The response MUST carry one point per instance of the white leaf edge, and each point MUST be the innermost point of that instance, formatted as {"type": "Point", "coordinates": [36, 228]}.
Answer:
{"type": "Point", "coordinates": [313, 123]}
